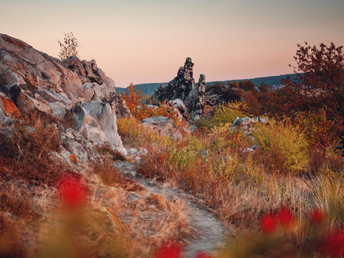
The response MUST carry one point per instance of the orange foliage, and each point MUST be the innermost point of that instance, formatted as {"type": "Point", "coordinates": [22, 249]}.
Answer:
{"type": "Point", "coordinates": [10, 107]}
{"type": "Point", "coordinates": [142, 110]}
{"type": "Point", "coordinates": [132, 99]}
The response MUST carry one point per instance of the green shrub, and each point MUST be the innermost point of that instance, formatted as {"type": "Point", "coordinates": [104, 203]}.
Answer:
{"type": "Point", "coordinates": [283, 148]}
{"type": "Point", "coordinates": [227, 113]}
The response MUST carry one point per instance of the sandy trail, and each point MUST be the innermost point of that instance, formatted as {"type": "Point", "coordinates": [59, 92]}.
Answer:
{"type": "Point", "coordinates": [209, 231]}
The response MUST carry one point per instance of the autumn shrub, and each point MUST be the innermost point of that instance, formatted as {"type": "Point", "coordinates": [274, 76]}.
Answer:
{"type": "Point", "coordinates": [317, 128]}
{"type": "Point", "coordinates": [132, 131]}
{"type": "Point", "coordinates": [222, 138]}
{"type": "Point", "coordinates": [227, 113]}
{"type": "Point", "coordinates": [141, 110]}
{"type": "Point", "coordinates": [17, 201]}
{"type": "Point", "coordinates": [282, 146]}
{"type": "Point", "coordinates": [26, 153]}
{"type": "Point", "coordinates": [111, 176]}
{"type": "Point", "coordinates": [224, 114]}
{"type": "Point", "coordinates": [316, 95]}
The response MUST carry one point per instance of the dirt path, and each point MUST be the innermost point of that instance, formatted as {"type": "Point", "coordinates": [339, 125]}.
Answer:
{"type": "Point", "coordinates": [209, 231]}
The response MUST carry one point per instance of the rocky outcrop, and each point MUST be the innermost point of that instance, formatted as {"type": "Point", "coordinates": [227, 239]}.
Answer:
{"type": "Point", "coordinates": [193, 96]}
{"type": "Point", "coordinates": [34, 81]}
{"type": "Point", "coordinates": [95, 83]}
{"type": "Point", "coordinates": [196, 98]}
{"type": "Point", "coordinates": [183, 89]}
{"type": "Point", "coordinates": [180, 86]}
{"type": "Point", "coordinates": [163, 126]}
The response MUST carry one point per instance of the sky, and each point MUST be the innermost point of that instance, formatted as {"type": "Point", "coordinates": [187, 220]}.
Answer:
{"type": "Point", "coordinates": [140, 41]}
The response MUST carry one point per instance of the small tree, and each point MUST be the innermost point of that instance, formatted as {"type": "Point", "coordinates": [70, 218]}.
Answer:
{"type": "Point", "coordinates": [69, 46]}
{"type": "Point", "coordinates": [318, 93]}
{"type": "Point", "coordinates": [246, 85]}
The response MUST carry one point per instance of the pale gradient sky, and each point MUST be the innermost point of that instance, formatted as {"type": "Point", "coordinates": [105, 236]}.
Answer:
{"type": "Point", "coordinates": [147, 40]}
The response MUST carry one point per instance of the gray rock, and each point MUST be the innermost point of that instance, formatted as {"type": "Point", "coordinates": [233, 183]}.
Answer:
{"type": "Point", "coordinates": [180, 106]}
{"type": "Point", "coordinates": [96, 121]}
{"type": "Point", "coordinates": [198, 100]}
{"type": "Point", "coordinates": [35, 81]}
{"type": "Point", "coordinates": [77, 145]}
{"type": "Point", "coordinates": [119, 105]}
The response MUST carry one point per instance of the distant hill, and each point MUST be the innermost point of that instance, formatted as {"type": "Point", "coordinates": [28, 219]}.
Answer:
{"type": "Point", "coordinates": [270, 80]}
{"type": "Point", "coordinates": [146, 88]}
{"type": "Point", "coordinates": [149, 88]}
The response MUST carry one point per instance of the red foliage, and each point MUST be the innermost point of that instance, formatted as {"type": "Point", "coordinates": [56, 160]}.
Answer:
{"type": "Point", "coordinates": [334, 244]}
{"type": "Point", "coordinates": [285, 217]}
{"type": "Point", "coordinates": [320, 86]}
{"type": "Point", "coordinates": [72, 191]}
{"type": "Point", "coordinates": [317, 216]}
{"type": "Point", "coordinates": [268, 223]}
{"type": "Point", "coordinates": [171, 250]}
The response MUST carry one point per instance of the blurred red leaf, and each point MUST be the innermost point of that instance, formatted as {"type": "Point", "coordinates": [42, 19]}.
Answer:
{"type": "Point", "coordinates": [334, 244]}
{"type": "Point", "coordinates": [268, 223]}
{"type": "Point", "coordinates": [202, 255]}
{"type": "Point", "coordinates": [172, 250]}
{"type": "Point", "coordinates": [317, 216]}
{"type": "Point", "coordinates": [285, 217]}
{"type": "Point", "coordinates": [72, 191]}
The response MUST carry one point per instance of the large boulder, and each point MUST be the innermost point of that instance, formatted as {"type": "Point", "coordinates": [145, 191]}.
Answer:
{"type": "Point", "coordinates": [35, 81]}
{"type": "Point", "coordinates": [96, 121]}
{"type": "Point", "coordinates": [163, 126]}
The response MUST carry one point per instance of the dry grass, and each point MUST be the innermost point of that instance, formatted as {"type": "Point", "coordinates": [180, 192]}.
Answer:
{"type": "Point", "coordinates": [112, 177]}
{"type": "Point", "coordinates": [16, 201]}
{"type": "Point", "coordinates": [26, 154]}
{"type": "Point", "coordinates": [20, 217]}
{"type": "Point", "coordinates": [235, 184]}
{"type": "Point", "coordinates": [150, 220]}
{"type": "Point", "coordinates": [153, 221]}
